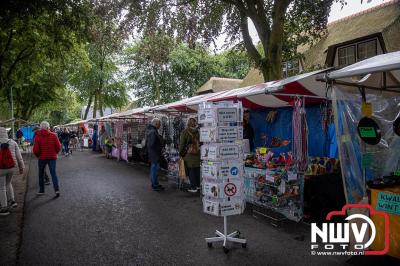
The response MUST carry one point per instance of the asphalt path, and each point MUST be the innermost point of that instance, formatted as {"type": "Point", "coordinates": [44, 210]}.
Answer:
{"type": "Point", "coordinates": [107, 214]}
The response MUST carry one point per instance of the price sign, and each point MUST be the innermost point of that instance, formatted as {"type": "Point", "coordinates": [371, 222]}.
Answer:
{"type": "Point", "coordinates": [263, 150]}
{"type": "Point", "coordinates": [369, 131]}
{"type": "Point", "coordinates": [366, 109]}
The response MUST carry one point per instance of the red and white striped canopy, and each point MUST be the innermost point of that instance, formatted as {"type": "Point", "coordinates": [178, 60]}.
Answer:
{"type": "Point", "coordinates": [271, 94]}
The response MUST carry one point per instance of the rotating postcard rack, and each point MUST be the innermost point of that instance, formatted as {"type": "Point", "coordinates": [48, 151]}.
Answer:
{"type": "Point", "coordinates": [222, 165]}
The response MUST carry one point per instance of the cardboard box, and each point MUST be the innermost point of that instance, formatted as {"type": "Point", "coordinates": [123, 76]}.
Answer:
{"type": "Point", "coordinates": [221, 134]}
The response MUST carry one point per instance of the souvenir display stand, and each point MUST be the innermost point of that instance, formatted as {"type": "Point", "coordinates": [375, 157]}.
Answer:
{"type": "Point", "coordinates": [222, 165]}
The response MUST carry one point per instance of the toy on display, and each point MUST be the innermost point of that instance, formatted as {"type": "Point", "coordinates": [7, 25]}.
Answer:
{"type": "Point", "coordinates": [273, 182]}
{"type": "Point", "coordinates": [322, 165]}
{"type": "Point", "coordinates": [222, 165]}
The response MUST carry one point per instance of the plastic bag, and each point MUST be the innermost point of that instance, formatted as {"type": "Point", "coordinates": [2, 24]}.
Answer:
{"type": "Point", "coordinates": [182, 170]}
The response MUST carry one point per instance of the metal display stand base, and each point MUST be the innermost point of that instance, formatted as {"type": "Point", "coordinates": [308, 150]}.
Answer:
{"type": "Point", "coordinates": [225, 237]}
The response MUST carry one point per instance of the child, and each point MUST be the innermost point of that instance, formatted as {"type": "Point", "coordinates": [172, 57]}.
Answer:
{"type": "Point", "coordinates": [109, 144]}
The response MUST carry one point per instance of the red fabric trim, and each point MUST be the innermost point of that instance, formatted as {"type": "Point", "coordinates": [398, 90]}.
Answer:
{"type": "Point", "coordinates": [183, 109]}
{"type": "Point", "coordinates": [296, 88]}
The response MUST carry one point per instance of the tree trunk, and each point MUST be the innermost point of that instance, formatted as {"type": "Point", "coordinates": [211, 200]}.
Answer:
{"type": "Point", "coordinates": [271, 36]}
{"type": "Point", "coordinates": [95, 105]}
{"type": "Point", "coordinates": [100, 103]}
{"type": "Point", "coordinates": [274, 52]}
{"type": "Point", "coordinates": [88, 107]}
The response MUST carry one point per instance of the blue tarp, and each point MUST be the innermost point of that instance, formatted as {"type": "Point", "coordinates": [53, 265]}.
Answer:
{"type": "Point", "coordinates": [28, 132]}
{"type": "Point", "coordinates": [320, 142]}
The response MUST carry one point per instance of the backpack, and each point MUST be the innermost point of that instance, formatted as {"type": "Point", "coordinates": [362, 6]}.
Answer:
{"type": "Point", "coordinates": [194, 147]}
{"type": "Point", "coordinates": [6, 159]}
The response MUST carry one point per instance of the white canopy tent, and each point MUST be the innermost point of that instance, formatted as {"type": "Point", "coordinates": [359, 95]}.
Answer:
{"type": "Point", "coordinates": [379, 72]}
{"type": "Point", "coordinates": [379, 63]}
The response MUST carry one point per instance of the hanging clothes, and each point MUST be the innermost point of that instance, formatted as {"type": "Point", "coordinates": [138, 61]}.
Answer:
{"type": "Point", "coordinates": [300, 134]}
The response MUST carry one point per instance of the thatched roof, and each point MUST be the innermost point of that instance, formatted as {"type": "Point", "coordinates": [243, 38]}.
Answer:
{"type": "Point", "coordinates": [131, 105]}
{"type": "Point", "coordinates": [253, 77]}
{"type": "Point", "coordinates": [367, 23]}
{"type": "Point", "coordinates": [383, 19]}
{"type": "Point", "coordinates": [215, 84]}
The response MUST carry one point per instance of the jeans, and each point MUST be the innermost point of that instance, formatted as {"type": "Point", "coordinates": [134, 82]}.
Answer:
{"type": "Point", "coordinates": [6, 176]}
{"type": "Point", "coordinates": [153, 174]}
{"type": "Point", "coordinates": [194, 177]}
{"type": "Point", "coordinates": [66, 146]}
{"type": "Point", "coordinates": [52, 167]}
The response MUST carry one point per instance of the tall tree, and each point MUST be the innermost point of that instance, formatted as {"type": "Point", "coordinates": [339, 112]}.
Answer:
{"type": "Point", "coordinates": [36, 37]}
{"type": "Point", "coordinates": [281, 25]}
{"type": "Point", "coordinates": [161, 70]}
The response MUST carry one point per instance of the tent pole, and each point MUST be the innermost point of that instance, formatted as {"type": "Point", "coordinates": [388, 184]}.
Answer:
{"type": "Point", "coordinates": [339, 140]}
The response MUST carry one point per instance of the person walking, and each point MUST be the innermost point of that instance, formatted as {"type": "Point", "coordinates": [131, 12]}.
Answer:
{"type": "Point", "coordinates": [19, 136]}
{"type": "Point", "coordinates": [46, 176]}
{"type": "Point", "coordinates": [65, 138]}
{"type": "Point", "coordinates": [10, 161]}
{"type": "Point", "coordinates": [154, 149]}
{"type": "Point", "coordinates": [189, 150]}
{"type": "Point", "coordinates": [94, 138]}
{"type": "Point", "coordinates": [46, 147]}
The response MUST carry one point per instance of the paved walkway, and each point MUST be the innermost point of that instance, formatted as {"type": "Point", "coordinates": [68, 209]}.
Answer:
{"type": "Point", "coordinates": [107, 215]}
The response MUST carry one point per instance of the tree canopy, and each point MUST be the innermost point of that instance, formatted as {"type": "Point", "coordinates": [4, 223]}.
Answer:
{"type": "Point", "coordinates": [281, 25]}
{"type": "Point", "coordinates": [162, 70]}
{"type": "Point", "coordinates": [98, 52]}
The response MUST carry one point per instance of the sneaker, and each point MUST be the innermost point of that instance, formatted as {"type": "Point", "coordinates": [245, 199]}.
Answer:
{"type": "Point", "coordinates": [4, 212]}
{"type": "Point", "coordinates": [40, 193]}
{"type": "Point", "coordinates": [57, 194]}
{"type": "Point", "coordinates": [13, 204]}
{"type": "Point", "coordinates": [47, 182]}
{"type": "Point", "coordinates": [192, 190]}
{"type": "Point", "coordinates": [158, 188]}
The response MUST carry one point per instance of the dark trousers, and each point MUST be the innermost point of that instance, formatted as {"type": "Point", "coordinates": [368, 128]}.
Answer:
{"type": "Point", "coordinates": [66, 146]}
{"type": "Point", "coordinates": [52, 167]}
{"type": "Point", "coordinates": [194, 177]}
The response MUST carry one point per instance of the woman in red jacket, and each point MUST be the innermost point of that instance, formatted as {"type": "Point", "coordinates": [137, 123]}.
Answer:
{"type": "Point", "coordinates": [46, 147]}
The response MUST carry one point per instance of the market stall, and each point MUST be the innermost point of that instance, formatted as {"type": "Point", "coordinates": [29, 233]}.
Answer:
{"type": "Point", "coordinates": [366, 98]}
{"type": "Point", "coordinates": [124, 131]}
{"type": "Point", "coordinates": [292, 127]}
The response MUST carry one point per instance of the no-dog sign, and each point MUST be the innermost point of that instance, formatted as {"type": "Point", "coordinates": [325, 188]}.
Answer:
{"type": "Point", "coordinates": [230, 189]}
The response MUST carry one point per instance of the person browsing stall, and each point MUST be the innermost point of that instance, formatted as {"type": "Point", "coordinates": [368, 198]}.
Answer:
{"type": "Point", "coordinates": [154, 149]}
{"type": "Point", "coordinates": [189, 150]}
{"type": "Point", "coordinates": [248, 132]}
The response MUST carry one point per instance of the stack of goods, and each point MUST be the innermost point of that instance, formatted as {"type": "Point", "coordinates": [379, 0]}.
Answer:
{"type": "Point", "coordinates": [222, 158]}
{"type": "Point", "coordinates": [264, 159]}
{"type": "Point", "coordinates": [273, 182]}
{"type": "Point", "coordinates": [322, 166]}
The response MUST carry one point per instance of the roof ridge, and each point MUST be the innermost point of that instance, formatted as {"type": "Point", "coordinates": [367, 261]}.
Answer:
{"type": "Point", "coordinates": [369, 10]}
{"type": "Point", "coordinates": [214, 78]}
